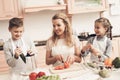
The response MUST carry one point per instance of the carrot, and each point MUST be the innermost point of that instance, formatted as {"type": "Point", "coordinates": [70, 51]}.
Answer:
{"type": "Point", "coordinates": [108, 62]}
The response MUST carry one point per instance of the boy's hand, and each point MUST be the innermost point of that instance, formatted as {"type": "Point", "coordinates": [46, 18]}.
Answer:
{"type": "Point", "coordinates": [18, 51]}
{"type": "Point", "coordinates": [29, 53]}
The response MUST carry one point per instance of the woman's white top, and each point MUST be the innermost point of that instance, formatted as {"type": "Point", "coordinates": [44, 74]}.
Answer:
{"type": "Point", "coordinates": [62, 48]}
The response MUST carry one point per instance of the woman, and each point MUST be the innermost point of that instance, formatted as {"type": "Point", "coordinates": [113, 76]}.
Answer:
{"type": "Point", "coordinates": [62, 46]}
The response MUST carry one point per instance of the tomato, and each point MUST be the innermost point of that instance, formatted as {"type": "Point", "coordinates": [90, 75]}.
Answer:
{"type": "Point", "coordinates": [59, 67]}
{"type": "Point", "coordinates": [33, 76]}
{"type": "Point", "coordinates": [41, 74]}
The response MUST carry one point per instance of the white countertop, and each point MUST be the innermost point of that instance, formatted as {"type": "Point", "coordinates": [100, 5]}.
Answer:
{"type": "Point", "coordinates": [84, 74]}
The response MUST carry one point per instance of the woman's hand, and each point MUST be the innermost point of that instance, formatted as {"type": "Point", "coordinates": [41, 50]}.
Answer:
{"type": "Point", "coordinates": [70, 59]}
{"type": "Point", "coordinates": [59, 58]}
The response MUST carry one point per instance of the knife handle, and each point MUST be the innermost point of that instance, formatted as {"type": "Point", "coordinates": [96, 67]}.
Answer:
{"type": "Point", "coordinates": [29, 55]}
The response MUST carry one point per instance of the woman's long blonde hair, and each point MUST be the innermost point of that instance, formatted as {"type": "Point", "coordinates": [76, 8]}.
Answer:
{"type": "Point", "coordinates": [67, 32]}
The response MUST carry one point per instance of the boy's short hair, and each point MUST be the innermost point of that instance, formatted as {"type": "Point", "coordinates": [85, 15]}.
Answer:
{"type": "Point", "coordinates": [15, 22]}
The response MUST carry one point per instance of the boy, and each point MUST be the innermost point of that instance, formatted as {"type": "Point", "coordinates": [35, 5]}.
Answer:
{"type": "Point", "coordinates": [17, 48]}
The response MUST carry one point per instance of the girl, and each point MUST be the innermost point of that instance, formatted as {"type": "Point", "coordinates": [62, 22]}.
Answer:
{"type": "Point", "coordinates": [100, 46]}
{"type": "Point", "coordinates": [62, 46]}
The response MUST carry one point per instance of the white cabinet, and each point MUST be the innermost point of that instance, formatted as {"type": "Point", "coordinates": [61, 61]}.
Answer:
{"type": "Point", "coordinates": [3, 65]}
{"type": "Point", "coordinates": [10, 8]}
{"type": "Point", "coordinates": [39, 5]}
{"type": "Point", "coordinates": [116, 47]}
{"type": "Point", "coordinates": [40, 59]}
{"type": "Point", "coordinates": [86, 6]}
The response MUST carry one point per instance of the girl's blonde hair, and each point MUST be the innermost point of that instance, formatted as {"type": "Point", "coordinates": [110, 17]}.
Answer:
{"type": "Point", "coordinates": [67, 32]}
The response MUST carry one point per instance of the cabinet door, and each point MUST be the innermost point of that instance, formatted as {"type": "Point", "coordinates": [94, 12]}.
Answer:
{"type": "Point", "coordinates": [3, 65]}
{"type": "Point", "coordinates": [119, 46]}
{"type": "Point", "coordinates": [40, 59]}
{"type": "Point", "coordinates": [85, 6]}
{"type": "Point", "coordinates": [39, 5]}
{"type": "Point", "coordinates": [115, 48]}
{"type": "Point", "coordinates": [9, 9]}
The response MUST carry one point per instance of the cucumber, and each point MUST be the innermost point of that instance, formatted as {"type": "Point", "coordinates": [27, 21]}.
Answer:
{"type": "Point", "coordinates": [51, 77]}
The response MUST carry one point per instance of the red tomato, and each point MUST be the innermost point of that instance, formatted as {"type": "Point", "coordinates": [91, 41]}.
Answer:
{"type": "Point", "coordinates": [33, 76]}
{"type": "Point", "coordinates": [41, 74]}
{"type": "Point", "coordinates": [59, 67]}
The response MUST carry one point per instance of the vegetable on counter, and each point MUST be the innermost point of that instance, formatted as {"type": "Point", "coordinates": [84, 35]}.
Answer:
{"type": "Point", "coordinates": [42, 76]}
{"type": "Point", "coordinates": [34, 75]}
{"type": "Point", "coordinates": [93, 65]}
{"type": "Point", "coordinates": [104, 73]}
{"type": "Point", "coordinates": [108, 62]}
{"type": "Point", "coordinates": [64, 66]}
{"type": "Point", "coordinates": [51, 77]}
{"type": "Point", "coordinates": [116, 62]}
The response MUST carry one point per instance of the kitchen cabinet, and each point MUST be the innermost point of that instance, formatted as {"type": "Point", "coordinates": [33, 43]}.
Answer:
{"type": "Point", "coordinates": [3, 65]}
{"type": "Point", "coordinates": [10, 8]}
{"type": "Point", "coordinates": [86, 6]}
{"type": "Point", "coordinates": [38, 5]}
{"type": "Point", "coordinates": [115, 48]}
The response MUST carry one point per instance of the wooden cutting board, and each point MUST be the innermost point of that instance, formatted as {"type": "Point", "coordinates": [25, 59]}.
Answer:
{"type": "Point", "coordinates": [73, 67]}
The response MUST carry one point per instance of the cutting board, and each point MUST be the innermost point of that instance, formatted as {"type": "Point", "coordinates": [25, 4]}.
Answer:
{"type": "Point", "coordinates": [73, 67]}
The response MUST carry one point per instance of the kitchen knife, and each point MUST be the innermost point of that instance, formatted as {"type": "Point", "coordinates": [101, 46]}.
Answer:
{"type": "Point", "coordinates": [29, 55]}
{"type": "Point", "coordinates": [23, 57]}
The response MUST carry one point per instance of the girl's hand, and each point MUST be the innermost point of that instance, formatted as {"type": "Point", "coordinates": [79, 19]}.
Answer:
{"type": "Point", "coordinates": [94, 51]}
{"type": "Point", "coordinates": [70, 59]}
{"type": "Point", "coordinates": [59, 58]}
{"type": "Point", "coordinates": [86, 47]}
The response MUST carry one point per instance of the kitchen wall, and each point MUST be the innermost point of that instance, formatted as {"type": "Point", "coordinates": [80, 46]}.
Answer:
{"type": "Point", "coordinates": [38, 25]}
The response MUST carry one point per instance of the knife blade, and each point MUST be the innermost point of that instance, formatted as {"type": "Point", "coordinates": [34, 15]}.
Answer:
{"type": "Point", "coordinates": [23, 57]}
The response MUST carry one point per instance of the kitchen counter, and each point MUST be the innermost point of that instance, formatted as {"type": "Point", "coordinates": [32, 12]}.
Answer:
{"type": "Point", "coordinates": [83, 74]}
{"type": "Point", "coordinates": [83, 38]}
{"type": "Point", "coordinates": [37, 43]}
